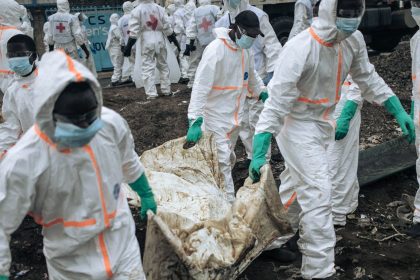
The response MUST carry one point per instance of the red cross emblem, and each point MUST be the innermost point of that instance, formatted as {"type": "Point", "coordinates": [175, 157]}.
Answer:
{"type": "Point", "coordinates": [153, 22]}
{"type": "Point", "coordinates": [60, 27]}
{"type": "Point", "coordinates": [205, 24]}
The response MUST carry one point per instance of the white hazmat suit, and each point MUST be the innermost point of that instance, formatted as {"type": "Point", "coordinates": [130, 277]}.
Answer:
{"type": "Point", "coordinates": [45, 29]}
{"type": "Point", "coordinates": [128, 65]}
{"type": "Point", "coordinates": [149, 24]}
{"type": "Point", "coordinates": [113, 45]}
{"type": "Point", "coordinates": [344, 158]}
{"type": "Point", "coordinates": [26, 26]}
{"type": "Point", "coordinates": [224, 77]}
{"type": "Point", "coordinates": [303, 93]}
{"type": "Point", "coordinates": [17, 111]}
{"type": "Point", "coordinates": [180, 24]}
{"type": "Point", "coordinates": [200, 29]}
{"type": "Point", "coordinates": [302, 17]}
{"type": "Point", "coordinates": [266, 51]}
{"type": "Point", "coordinates": [88, 229]}
{"type": "Point", "coordinates": [9, 22]}
{"type": "Point", "coordinates": [65, 31]}
{"type": "Point", "coordinates": [415, 55]}
{"type": "Point", "coordinates": [88, 62]}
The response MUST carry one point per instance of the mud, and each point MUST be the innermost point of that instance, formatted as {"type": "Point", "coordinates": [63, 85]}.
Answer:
{"type": "Point", "coordinates": [358, 255]}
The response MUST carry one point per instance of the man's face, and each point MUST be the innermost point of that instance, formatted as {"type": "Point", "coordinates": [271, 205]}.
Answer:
{"type": "Point", "coordinates": [19, 49]}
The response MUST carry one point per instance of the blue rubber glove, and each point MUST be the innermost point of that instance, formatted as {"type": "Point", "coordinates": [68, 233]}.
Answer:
{"type": "Point", "coordinates": [263, 96]}
{"type": "Point", "coordinates": [2, 277]}
{"type": "Point", "coordinates": [393, 105]}
{"type": "Point", "coordinates": [343, 122]}
{"type": "Point", "coordinates": [142, 187]}
{"type": "Point", "coordinates": [268, 78]}
{"type": "Point", "coordinates": [260, 147]}
{"type": "Point", "coordinates": [412, 110]}
{"type": "Point", "coordinates": [194, 132]}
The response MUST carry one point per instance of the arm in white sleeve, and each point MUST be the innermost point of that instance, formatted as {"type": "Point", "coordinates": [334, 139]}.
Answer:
{"type": "Point", "coordinates": [192, 30]}
{"type": "Point", "coordinates": [354, 94]}
{"type": "Point", "coordinates": [282, 89]}
{"type": "Point", "coordinates": [49, 36]}
{"type": "Point", "coordinates": [167, 27]}
{"type": "Point", "coordinates": [11, 128]}
{"type": "Point", "coordinates": [372, 86]}
{"type": "Point", "coordinates": [134, 24]}
{"type": "Point", "coordinates": [203, 83]}
{"type": "Point", "coordinates": [76, 30]}
{"type": "Point", "coordinates": [272, 46]}
{"type": "Point", "coordinates": [255, 84]}
{"type": "Point", "coordinates": [17, 193]}
{"type": "Point", "coordinates": [301, 20]}
{"type": "Point", "coordinates": [179, 27]}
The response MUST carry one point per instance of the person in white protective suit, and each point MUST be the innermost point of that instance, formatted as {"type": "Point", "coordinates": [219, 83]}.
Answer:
{"type": "Point", "coordinates": [10, 12]}
{"type": "Point", "coordinates": [303, 93]}
{"type": "Point", "coordinates": [113, 46]}
{"type": "Point", "coordinates": [266, 51]}
{"type": "Point", "coordinates": [180, 23]}
{"type": "Point", "coordinates": [87, 61]}
{"type": "Point", "coordinates": [65, 31]}
{"type": "Point", "coordinates": [17, 108]}
{"type": "Point", "coordinates": [149, 23]}
{"type": "Point", "coordinates": [200, 30]}
{"type": "Point", "coordinates": [45, 29]}
{"type": "Point", "coordinates": [414, 230]}
{"type": "Point", "coordinates": [128, 65]}
{"type": "Point", "coordinates": [26, 26]}
{"type": "Point", "coordinates": [224, 77]}
{"type": "Point", "coordinates": [302, 16]}
{"type": "Point", "coordinates": [67, 171]}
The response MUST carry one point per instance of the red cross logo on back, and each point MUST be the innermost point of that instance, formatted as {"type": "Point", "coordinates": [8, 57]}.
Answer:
{"type": "Point", "coordinates": [60, 27]}
{"type": "Point", "coordinates": [205, 24]}
{"type": "Point", "coordinates": [153, 22]}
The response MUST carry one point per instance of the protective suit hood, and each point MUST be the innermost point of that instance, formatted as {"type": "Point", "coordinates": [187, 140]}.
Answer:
{"type": "Point", "coordinates": [127, 7]}
{"type": "Point", "coordinates": [55, 72]}
{"type": "Point", "coordinates": [234, 12]}
{"type": "Point", "coordinates": [10, 13]}
{"type": "Point", "coordinates": [114, 19]}
{"type": "Point", "coordinates": [325, 27]}
{"type": "Point", "coordinates": [171, 9]}
{"type": "Point", "coordinates": [63, 6]}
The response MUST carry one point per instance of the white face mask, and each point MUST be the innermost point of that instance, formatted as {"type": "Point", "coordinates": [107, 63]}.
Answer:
{"type": "Point", "coordinates": [346, 27]}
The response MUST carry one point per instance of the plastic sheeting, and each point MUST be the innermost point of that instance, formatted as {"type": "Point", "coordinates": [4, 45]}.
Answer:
{"type": "Point", "coordinates": [197, 233]}
{"type": "Point", "coordinates": [174, 71]}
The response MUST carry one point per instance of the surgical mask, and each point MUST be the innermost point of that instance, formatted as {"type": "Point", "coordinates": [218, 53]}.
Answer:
{"type": "Point", "coordinates": [348, 25]}
{"type": "Point", "coordinates": [415, 12]}
{"type": "Point", "coordinates": [234, 3]}
{"type": "Point", "coordinates": [20, 65]}
{"type": "Point", "coordinates": [68, 135]}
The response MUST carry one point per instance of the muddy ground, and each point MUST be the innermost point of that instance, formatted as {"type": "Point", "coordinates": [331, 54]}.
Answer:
{"type": "Point", "coordinates": [359, 252]}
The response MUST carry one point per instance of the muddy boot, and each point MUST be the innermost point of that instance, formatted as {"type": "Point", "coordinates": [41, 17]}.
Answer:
{"type": "Point", "coordinates": [283, 255]}
{"type": "Point", "coordinates": [128, 81]}
{"type": "Point", "coordinates": [115, 84]}
{"type": "Point", "coordinates": [414, 231]}
{"type": "Point", "coordinates": [183, 81]}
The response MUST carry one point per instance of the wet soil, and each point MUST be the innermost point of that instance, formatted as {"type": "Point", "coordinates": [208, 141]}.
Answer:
{"type": "Point", "coordinates": [358, 255]}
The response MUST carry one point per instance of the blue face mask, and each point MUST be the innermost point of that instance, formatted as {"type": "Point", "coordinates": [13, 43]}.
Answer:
{"type": "Point", "coordinates": [415, 12]}
{"type": "Point", "coordinates": [68, 135]}
{"type": "Point", "coordinates": [348, 25]}
{"type": "Point", "coordinates": [20, 65]}
{"type": "Point", "coordinates": [234, 3]}
{"type": "Point", "coordinates": [245, 42]}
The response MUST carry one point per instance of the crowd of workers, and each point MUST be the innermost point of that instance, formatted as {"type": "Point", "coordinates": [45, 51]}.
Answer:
{"type": "Point", "coordinates": [64, 156]}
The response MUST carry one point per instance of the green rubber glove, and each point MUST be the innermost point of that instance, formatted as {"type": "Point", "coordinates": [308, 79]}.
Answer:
{"type": "Point", "coordinates": [260, 147]}
{"type": "Point", "coordinates": [194, 132]}
{"type": "Point", "coordinates": [393, 105]}
{"type": "Point", "coordinates": [343, 122]}
{"type": "Point", "coordinates": [142, 187]}
{"type": "Point", "coordinates": [412, 110]}
{"type": "Point", "coordinates": [2, 277]}
{"type": "Point", "coordinates": [263, 96]}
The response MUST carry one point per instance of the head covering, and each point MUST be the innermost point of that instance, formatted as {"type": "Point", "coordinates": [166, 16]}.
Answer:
{"type": "Point", "coordinates": [114, 19]}
{"type": "Point", "coordinates": [10, 13]}
{"type": "Point", "coordinates": [55, 72]}
{"type": "Point", "coordinates": [63, 6]}
{"type": "Point", "coordinates": [249, 21]}
{"type": "Point", "coordinates": [127, 7]}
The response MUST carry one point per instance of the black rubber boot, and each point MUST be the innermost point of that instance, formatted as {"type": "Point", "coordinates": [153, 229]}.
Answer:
{"type": "Point", "coordinates": [282, 255]}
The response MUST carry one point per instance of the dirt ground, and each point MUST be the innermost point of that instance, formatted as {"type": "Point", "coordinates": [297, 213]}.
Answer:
{"type": "Point", "coordinates": [359, 254]}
